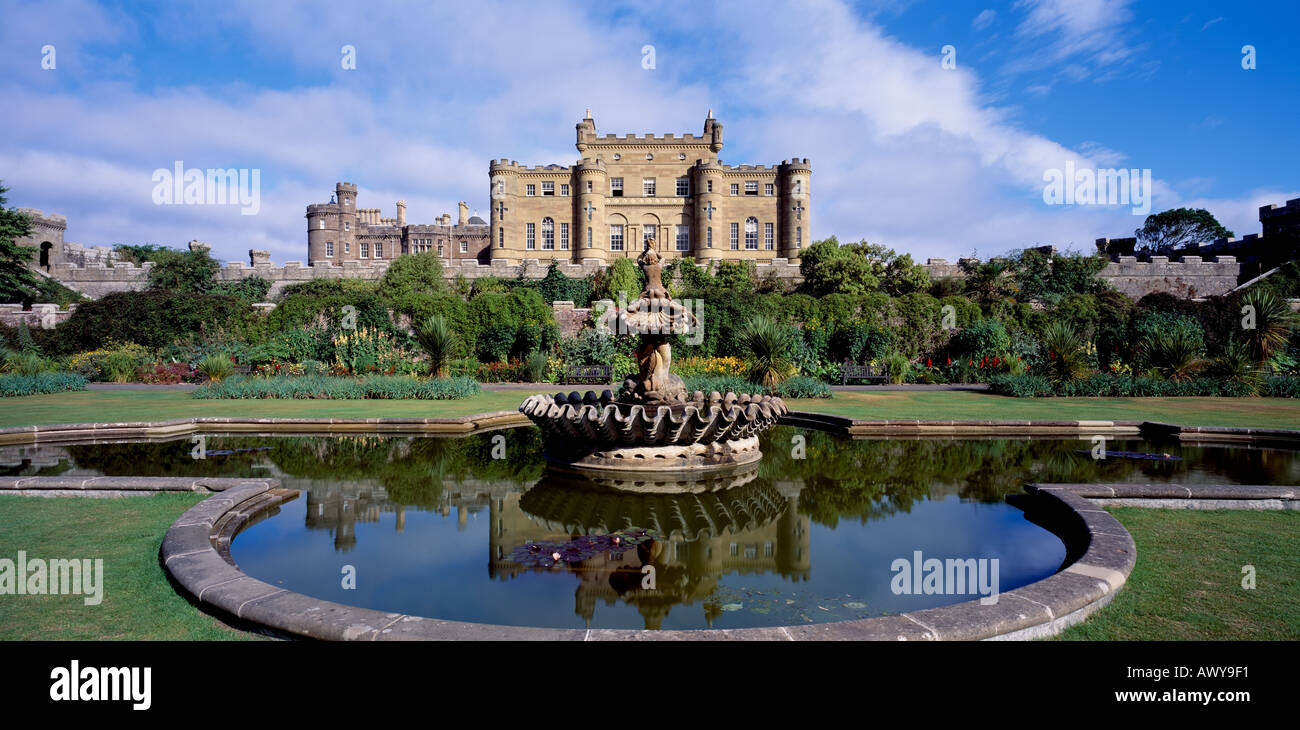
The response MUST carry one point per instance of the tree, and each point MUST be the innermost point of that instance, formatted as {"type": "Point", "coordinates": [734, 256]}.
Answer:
{"type": "Point", "coordinates": [191, 272]}
{"type": "Point", "coordinates": [413, 273]}
{"type": "Point", "coordinates": [622, 276]}
{"type": "Point", "coordinates": [17, 282]}
{"type": "Point", "coordinates": [1177, 227]}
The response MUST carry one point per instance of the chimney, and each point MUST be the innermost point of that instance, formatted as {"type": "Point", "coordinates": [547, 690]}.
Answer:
{"type": "Point", "coordinates": [257, 257]}
{"type": "Point", "coordinates": [401, 213]}
{"type": "Point", "coordinates": [463, 217]}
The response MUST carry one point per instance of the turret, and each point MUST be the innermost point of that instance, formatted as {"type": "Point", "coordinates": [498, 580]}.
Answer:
{"type": "Point", "coordinates": [795, 178]}
{"type": "Point", "coordinates": [713, 132]}
{"type": "Point", "coordinates": [707, 183]}
{"type": "Point", "coordinates": [591, 235]}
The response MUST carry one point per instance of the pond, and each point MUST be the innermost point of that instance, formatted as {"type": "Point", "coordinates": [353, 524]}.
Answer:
{"type": "Point", "coordinates": [469, 528]}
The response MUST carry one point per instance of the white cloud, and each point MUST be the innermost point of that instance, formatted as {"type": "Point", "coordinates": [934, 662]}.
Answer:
{"type": "Point", "coordinates": [984, 19]}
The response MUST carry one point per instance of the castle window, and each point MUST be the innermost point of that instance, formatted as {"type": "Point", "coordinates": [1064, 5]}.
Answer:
{"type": "Point", "coordinates": [681, 155]}
{"type": "Point", "coordinates": [648, 187]}
{"type": "Point", "coordinates": [347, 247]}
{"type": "Point", "coordinates": [735, 236]}
{"type": "Point", "coordinates": [649, 156]}
{"type": "Point", "coordinates": [751, 234]}
{"type": "Point", "coordinates": [767, 550]}
{"type": "Point", "coordinates": [616, 187]}
{"type": "Point", "coordinates": [501, 238]}
{"type": "Point", "coordinates": [464, 246]}
{"type": "Point", "coordinates": [347, 225]}
{"type": "Point", "coordinates": [564, 190]}
{"type": "Point", "coordinates": [735, 549]}
{"type": "Point", "coordinates": [768, 189]}
{"type": "Point", "coordinates": [649, 232]}
{"type": "Point", "coordinates": [548, 234]}
{"type": "Point", "coordinates": [589, 237]}
{"type": "Point", "coordinates": [683, 238]}
{"type": "Point", "coordinates": [548, 188]}
{"type": "Point", "coordinates": [798, 238]}
{"type": "Point", "coordinates": [616, 237]}
{"type": "Point", "coordinates": [530, 240]}
{"type": "Point", "coordinates": [735, 189]}
{"type": "Point", "coordinates": [329, 248]}
{"type": "Point", "coordinates": [751, 187]}
{"type": "Point", "coordinates": [321, 221]}
{"type": "Point", "coordinates": [708, 211]}
{"type": "Point", "coordinates": [708, 238]}
{"type": "Point", "coordinates": [501, 187]}
{"type": "Point", "coordinates": [617, 157]}
{"type": "Point", "coordinates": [589, 186]}
{"type": "Point", "coordinates": [708, 186]}
{"type": "Point", "coordinates": [531, 190]}
{"type": "Point", "coordinates": [798, 187]}
{"type": "Point", "coordinates": [769, 239]}
{"type": "Point", "coordinates": [564, 236]}
{"type": "Point", "coordinates": [379, 250]}
{"type": "Point", "coordinates": [683, 187]}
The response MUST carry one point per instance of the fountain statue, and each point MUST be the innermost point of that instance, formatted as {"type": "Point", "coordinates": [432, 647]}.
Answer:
{"type": "Point", "coordinates": [653, 424]}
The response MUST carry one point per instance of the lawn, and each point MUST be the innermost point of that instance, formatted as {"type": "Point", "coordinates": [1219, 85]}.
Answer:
{"type": "Point", "coordinates": [138, 601]}
{"type": "Point", "coordinates": [141, 405]}
{"type": "Point", "coordinates": [1187, 584]}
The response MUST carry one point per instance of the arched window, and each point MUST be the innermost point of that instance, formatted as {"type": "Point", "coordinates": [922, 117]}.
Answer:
{"type": "Point", "coordinates": [751, 234]}
{"type": "Point", "coordinates": [548, 234]}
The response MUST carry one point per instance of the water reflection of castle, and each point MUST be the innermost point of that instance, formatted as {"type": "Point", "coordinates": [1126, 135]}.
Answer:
{"type": "Point", "coordinates": [746, 530]}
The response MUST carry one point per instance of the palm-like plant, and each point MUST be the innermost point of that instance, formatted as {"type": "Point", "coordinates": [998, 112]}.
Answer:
{"type": "Point", "coordinates": [216, 367]}
{"type": "Point", "coordinates": [768, 345]}
{"type": "Point", "coordinates": [1273, 322]}
{"type": "Point", "coordinates": [1174, 355]}
{"type": "Point", "coordinates": [1065, 351]}
{"type": "Point", "coordinates": [1236, 364]}
{"type": "Point", "coordinates": [438, 341]}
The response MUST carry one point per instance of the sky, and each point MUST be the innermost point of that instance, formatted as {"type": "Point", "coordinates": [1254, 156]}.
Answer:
{"type": "Point", "coordinates": [931, 127]}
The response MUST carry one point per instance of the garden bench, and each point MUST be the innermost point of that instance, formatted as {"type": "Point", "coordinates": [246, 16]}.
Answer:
{"type": "Point", "coordinates": [864, 372]}
{"type": "Point", "coordinates": [590, 374]}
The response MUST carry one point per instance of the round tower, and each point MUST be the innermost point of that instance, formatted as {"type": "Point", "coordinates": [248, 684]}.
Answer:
{"type": "Point", "coordinates": [706, 183]}
{"type": "Point", "coordinates": [346, 246]}
{"type": "Point", "coordinates": [589, 213]}
{"type": "Point", "coordinates": [794, 180]}
{"type": "Point", "coordinates": [322, 227]}
{"type": "Point", "coordinates": [506, 228]}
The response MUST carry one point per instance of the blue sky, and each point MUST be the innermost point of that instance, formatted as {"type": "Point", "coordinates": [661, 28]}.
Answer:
{"type": "Point", "coordinates": [934, 161]}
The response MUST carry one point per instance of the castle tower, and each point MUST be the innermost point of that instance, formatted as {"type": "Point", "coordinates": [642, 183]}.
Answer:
{"type": "Point", "coordinates": [710, 230]}
{"type": "Point", "coordinates": [346, 247]}
{"type": "Point", "coordinates": [794, 180]}
{"type": "Point", "coordinates": [462, 213]}
{"type": "Point", "coordinates": [322, 229]}
{"type": "Point", "coordinates": [592, 179]}
{"type": "Point", "coordinates": [401, 213]}
{"type": "Point", "coordinates": [505, 230]}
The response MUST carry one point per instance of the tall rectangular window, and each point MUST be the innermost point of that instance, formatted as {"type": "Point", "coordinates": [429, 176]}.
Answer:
{"type": "Point", "coordinates": [683, 238]}
{"type": "Point", "coordinates": [735, 188]}
{"type": "Point", "coordinates": [708, 186]}
{"type": "Point", "coordinates": [379, 250]}
{"type": "Point", "coordinates": [798, 238]}
{"type": "Point", "coordinates": [683, 187]}
{"type": "Point", "coordinates": [589, 186]}
{"type": "Point", "coordinates": [769, 189]}
{"type": "Point", "coordinates": [616, 187]}
{"type": "Point", "coordinates": [588, 236]}
{"type": "Point", "coordinates": [531, 190]}
{"type": "Point", "coordinates": [616, 237]}
{"type": "Point", "coordinates": [648, 187]}
{"type": "Point", "coordinates": [548, 235]}
{"type": "Point", "coordinates": [530, 241]}
{"type": "Point", "coordinates": [564, 236]}
{"type": "Point", "coordinates": [347, 247]}
{"type": "Point", "coordinates": [329, 248]}
{"type": "Point", "coordinates": [769, 238]}
{"type": "Point", "coordinates": [564, 190]}
{"type": "Point", "coordinates": [751, 234]}
{"type": "Point", "coordinates": [464, 246]}
{"type": "Point", "coordinates": [501, 238]}
{"type": "Point", "coordinates": [648, 232]}
{"type": "Point", "coordinates": [548, 188]}
{"type": "Point", "coordinates": [708, 237]}
{"type": "Point", "coordinates": [735, 236]}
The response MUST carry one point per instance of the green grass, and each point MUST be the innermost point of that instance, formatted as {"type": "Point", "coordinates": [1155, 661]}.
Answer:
{"type": "Point", "coordinates": [141, 405]}
{"type": "Point", "coordinates": [138, 601]}
{"type": "Point", "coordinates": [1187, 584]}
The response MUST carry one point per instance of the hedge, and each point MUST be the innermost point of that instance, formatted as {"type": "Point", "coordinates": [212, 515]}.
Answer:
{"type": "Point", "coordinates": [55, 382]}
{"type": "Point", "coordinates": [386, 387]}
{"type": "Point", "coordinates": [1100, 385]}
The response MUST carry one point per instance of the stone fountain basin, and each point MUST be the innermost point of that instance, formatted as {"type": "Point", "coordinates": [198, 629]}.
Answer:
{"type": "Point", "coordinates": [701, 420]}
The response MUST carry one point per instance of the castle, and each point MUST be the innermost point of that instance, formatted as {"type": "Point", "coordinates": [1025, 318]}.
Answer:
{"type": "Point", "coordinates": [339, 231]}
{"type": "Point", "coordinates": [625, 191]}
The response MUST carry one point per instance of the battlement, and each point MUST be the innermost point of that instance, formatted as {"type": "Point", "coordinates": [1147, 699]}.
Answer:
{"type": "Point", "coordinates": [649, 138]}
{"type": "Point", "coordinates": [322, 208]}
{"type": "Point", "coordinates": [774, 169]}
{"type": "Point", "coordinates": [1273, 210]}
{"type": "Point", "coordinates": [39, 216]}
{"type": "Point", "coordinates": [347, 187]}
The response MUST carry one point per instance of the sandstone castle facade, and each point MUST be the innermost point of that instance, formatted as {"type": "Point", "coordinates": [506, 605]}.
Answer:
{"type": "Point", "coordinates": [339, 231]}
{"type": "Point", "coordinates": [626, 191]}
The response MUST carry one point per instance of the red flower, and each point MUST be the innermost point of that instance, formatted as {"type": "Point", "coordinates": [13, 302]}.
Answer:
{"type": "Point", "coordinates": [927, 362]}
{"type": "Point", "coordinates": [949, 361]}
{"type": "Point", "coordinates": [970, 362]}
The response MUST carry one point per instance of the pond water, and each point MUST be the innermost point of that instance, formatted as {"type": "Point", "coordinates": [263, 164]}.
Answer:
{"type": "Point", "coordinates": [466, 528]}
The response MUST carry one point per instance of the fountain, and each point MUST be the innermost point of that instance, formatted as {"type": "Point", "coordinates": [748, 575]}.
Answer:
{"type": "Point", "coordinates": [653, 424]}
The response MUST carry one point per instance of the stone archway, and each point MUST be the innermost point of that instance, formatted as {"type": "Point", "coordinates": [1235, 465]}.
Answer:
{"type": "Point", "coordinates": [46, 247]}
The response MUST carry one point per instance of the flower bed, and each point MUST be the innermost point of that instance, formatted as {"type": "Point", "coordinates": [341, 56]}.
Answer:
{"type": "Point", "coordinates": [341, 388]}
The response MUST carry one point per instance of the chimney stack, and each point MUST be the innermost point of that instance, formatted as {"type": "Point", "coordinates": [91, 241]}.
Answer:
{"type": "Point", "coordinates": [401, 213]}
{"type": "Point", "coordinates": [463, 218]}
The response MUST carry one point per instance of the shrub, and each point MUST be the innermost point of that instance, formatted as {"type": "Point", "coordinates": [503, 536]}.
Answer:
{"type": "Point", "coordinates": [983, 338]}
{"type": "Point", "coordinates": [1280, 387]}
{"type": "Point", "coordinates": [1236, 364]}
{"type": "Point", "coordinates": [216, 367]}
{"type": "Point", "coordinates": [1273, 322]}
{"type": "Point", "coordinates": [684, 366]}
{"type": "Point", "coordinates": [165, 373]}
{"type": "Point", "coordinates": [535, 367]}
{"type": "Point", "coordinates": [120, 366]}
{"type": "Point", "coordinates": [768, 346]}
{"type": "Point", "coordinates": [1175, 354]}
{"type": "Point", "coordinates": [16, 384]}
{"type": "Point", "coordinates": [802, 386]}
{"type": "Point", "coordinates": [384, 387]}
{"type": "Point", "coordinates": [1065, 348]}
{"type": "Point", "coordinates": [899, 367]}
{"type": "Point", "coordinates": [1021, 386]}
{"type": "Point", "coordinates": [27, 363]}
{"type": "Point", "coordinates": [720, 383]}
{"type": "Point", "coordinates": [438, 341]}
